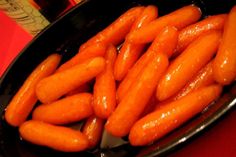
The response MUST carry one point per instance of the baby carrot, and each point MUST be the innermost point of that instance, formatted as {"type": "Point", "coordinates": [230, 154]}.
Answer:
{"type": "Point", "coordinates": [105, 87]}
{"type": "Point", "coordinates": [93, 129]}
{"type": "Point", "coordinates": [187, 64]}
{"type": "Point", "coordinates": [224, 68]}
{"type": "Point", "coordinates": [157, 124]}
{"type": "Point", "coordinates": [135, 101]}
{"type": "Point", "coordinates": [115, 33]}
{"type": "Point", "coordinates": [64, 111]}
{"type": "Point", "coordinates": [130, 52]}
{"type": "Point", "coordinates": [148, 14]}
{"type": "Point", "coordinates": [95, 50]}
{"type": "Point", "coordinates": [165, 42]}
{"type": "Point", "coordinates": [190, 33]}
{"type": "Point", "coordinates": [203, 78]}
{"type": "Point", "coordinates": [55, 137]}
{"type": "Point", "coordinates": [53, 87]}
{"type": "Point", "coordinates": [24, 100]}
{"type": "Point", "coordinates": [179, 19]}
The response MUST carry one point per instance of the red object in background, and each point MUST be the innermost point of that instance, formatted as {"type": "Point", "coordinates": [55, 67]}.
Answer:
{"type": "Point", "coordinates": [12, 40]}
{"type": "Point", "coordinates": [219, 141]}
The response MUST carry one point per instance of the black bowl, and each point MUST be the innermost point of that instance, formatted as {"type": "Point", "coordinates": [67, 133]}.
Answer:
{"type": "Point", "coordinates": [65, 36]}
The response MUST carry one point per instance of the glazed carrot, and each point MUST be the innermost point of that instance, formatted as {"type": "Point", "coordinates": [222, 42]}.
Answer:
{"type": "Point", "coordinates": [179, 19]}
{"type": "Point", "coordinates": [190, 33]}
{"type": "Point", "coordinates": [187, 64]}
{"type": "Point", "coordinates": [53, 87]}
{"type": "Point", "coordinates": [165, 42]}
{"type": "Point", "coordinates": [105, 87]}
{"type": "Point", "coordinates": [24, 100]}
{"type": "Point", "coordinates": [130, 52]}
{"type": "Point", "coordinates": [224, 68]}
{"type": "Point", "coordinates": [55, 137]}
{"type": "Point", "coordinates": [135, 101]}
{"type": "Point", "coordinates": [64, 111]}
{"type": "Point", "coordinates": [115, 33]}
{"type": "Point", "coordinates": [93, 129]}
{"type": "Point", "coordinates": [81, 89]}
{"type": "Point", "coordinates": [148, 14]}
{"type": "Point", "coordinates": [203, 78]}
{"type": "Point", "coordinates": [95, 50]}
{"type": "Point", "coordinates": [157, 124]}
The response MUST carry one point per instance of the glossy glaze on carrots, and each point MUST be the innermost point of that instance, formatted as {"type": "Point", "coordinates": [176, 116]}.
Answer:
{"type": "Point", "coordinates": [168, 69]}
{"type": "Point", "coordinates": [23, 102]}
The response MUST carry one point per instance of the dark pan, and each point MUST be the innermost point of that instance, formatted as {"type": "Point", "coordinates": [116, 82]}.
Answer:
{"type": "Point", "coordinates": [65, 36]}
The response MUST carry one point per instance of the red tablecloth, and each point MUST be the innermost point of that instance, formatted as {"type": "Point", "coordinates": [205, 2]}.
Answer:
{"type": "Point", "coordinates": [12, 39]}
{"type": "Point", "coordinates": [219, 141]}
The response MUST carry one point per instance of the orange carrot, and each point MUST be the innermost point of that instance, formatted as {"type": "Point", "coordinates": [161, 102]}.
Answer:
{"type": "Point", "coordinates": [116, 32]}
{"type": "Point", "coordinates": [55, 137]}
{"type": "Point", "coordinates": [95, 50]}
{"type": "Point", "coordinates": [190, 33]}
{"type": "Point", "coordinates": [203, 78]}
{"type": "Point", "coordinates": [187, 64]}
{"type": "Point", "coordinates": [65, 111]}
{"type": "Point", "coordinates": [130, 52]}
{"type": "Point", "coordinates": [105, 87]}
{"type": "Point", "coordinates": [179, 19]}
{"type": "Point", "coordinates": [148, 14]}
{"type": "Point", "coordinates": [165, 42]}
{"type": "Point", "coordinates": [93, 129]}
{"type": "Point", "coordinates": [135, 101]}
{"type": "Point", "coordinates": [157, 124]}
{"type": "Point", "coordinates": [24, 100]}
{"type": "Point", "coordinates": [224, 68]}
{"type": "Point", "coordinates": [53, 87]}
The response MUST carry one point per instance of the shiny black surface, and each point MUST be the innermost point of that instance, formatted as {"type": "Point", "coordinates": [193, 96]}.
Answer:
{"type": "Point", "coordinates": [65, 36]}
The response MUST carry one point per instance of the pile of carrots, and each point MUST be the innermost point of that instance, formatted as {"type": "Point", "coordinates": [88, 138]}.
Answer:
{"type": "Point", "coordinates": [167, 70]}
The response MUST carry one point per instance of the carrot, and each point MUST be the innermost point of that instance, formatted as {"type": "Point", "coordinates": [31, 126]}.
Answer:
{"type": "Point", "coordinates": [157, 124]}
{"type": "Point", "coordinates": [24, 100]}
{"type": "Point", "coordinates": [81, 89]}
{"type": "Point", "coordinates": [130, 52]}
{"type": "Point", "coordinates": [179, 19]}
{"type": "Point", "coordinates": [95, 50]}
{"type": "Point", "coordinates": [165, 42]}
{"type": "Point", "coordinates": [187, 64]}
{"type": "Point", "coordinates": [105, 87]}
{"type": "Point", "coordinates": [53, 87]}
{"type": "Point", "coordinates": [115, 33]}
{"type": "Point", "coordinates": [190, 33]}
{"type": "Point", "coordinates": [93, 129]}
{"type": "Point", "coordinates": [203, 78]}
{"type": "Point", "coordinates": [224, 68]}
{"type": "Point", "coordinates": [148, 14]}
{"type": "Point", "coordinates": [55, 137]}
{"type": "Point", "coordinates": [67, 110]}
{"type": "Point", "coordinates": [135, 101]}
